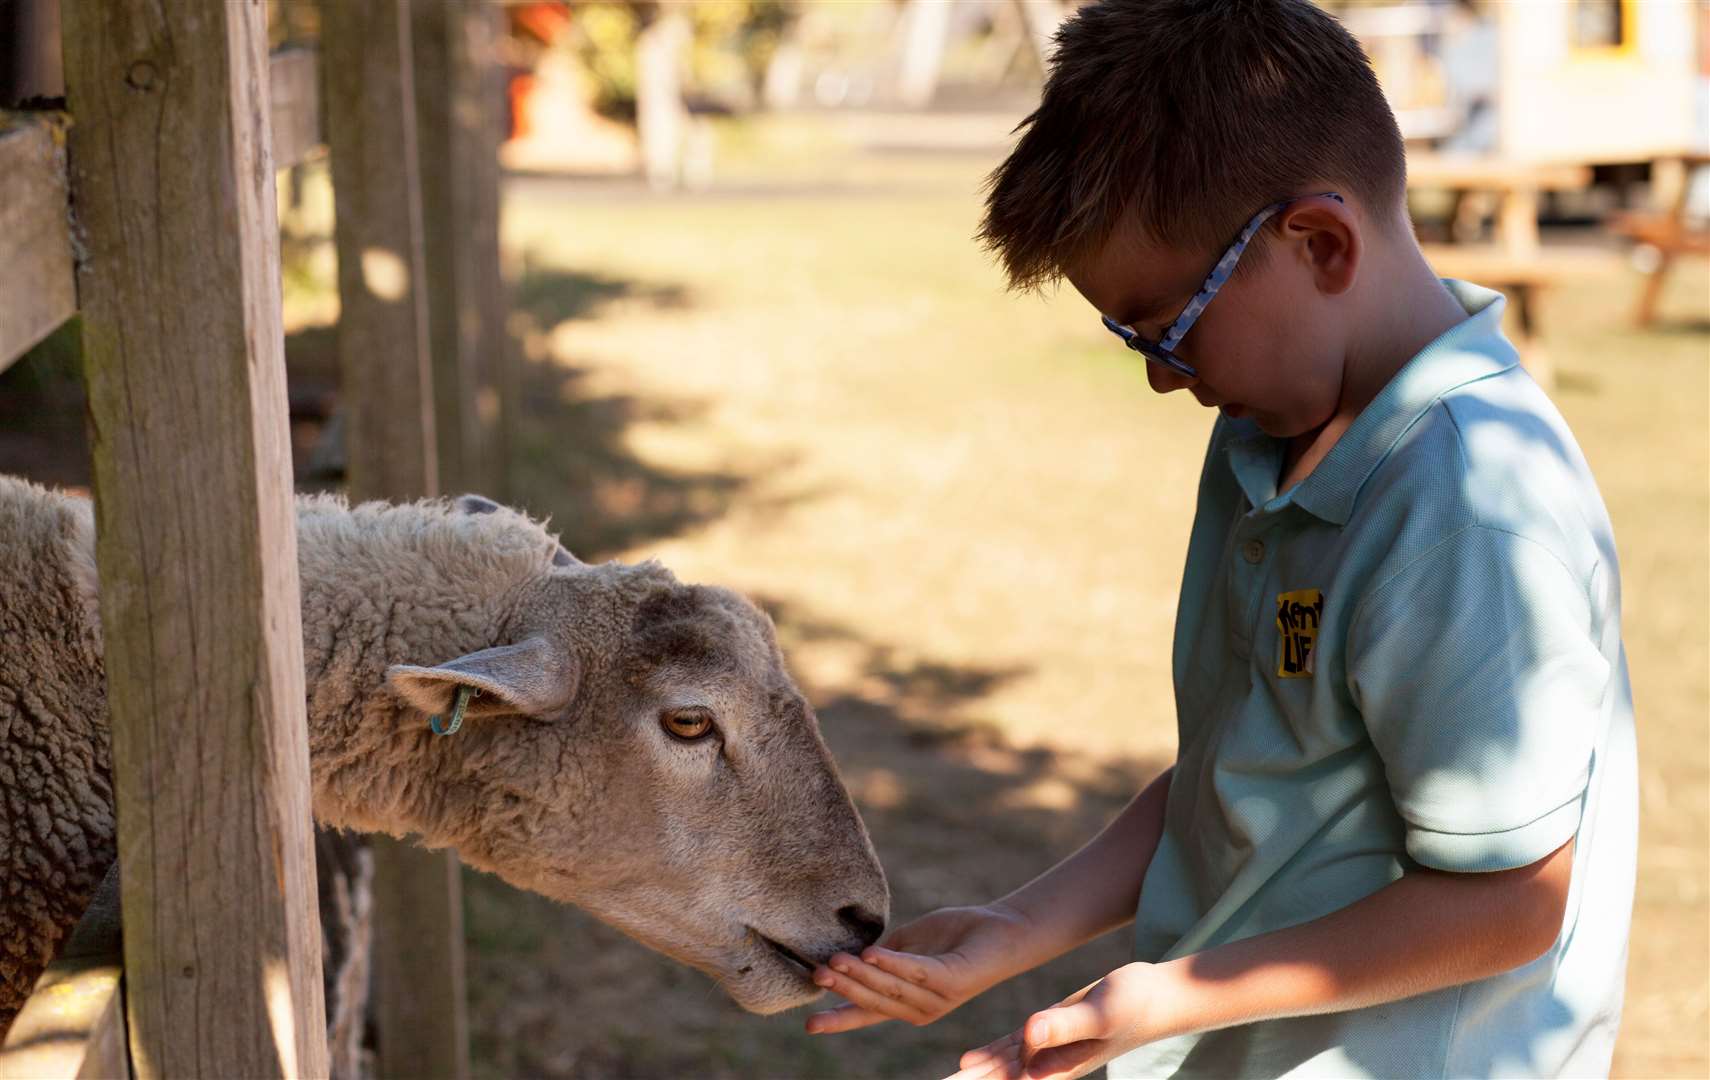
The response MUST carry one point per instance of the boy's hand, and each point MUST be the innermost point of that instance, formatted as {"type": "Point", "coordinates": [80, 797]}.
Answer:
{"type": "Point", "coordinates": [924, 969]}
{"type": "Point", "coordinates": [1076, 1035]}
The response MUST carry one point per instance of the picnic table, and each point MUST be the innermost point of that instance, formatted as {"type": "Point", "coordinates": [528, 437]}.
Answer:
{"type": "Point", "coordinates": [1516, 185]}
{"type": "Point", "coordinates": [1514, 261]}
{"type": "Point", "coordinates": [1665, 230]}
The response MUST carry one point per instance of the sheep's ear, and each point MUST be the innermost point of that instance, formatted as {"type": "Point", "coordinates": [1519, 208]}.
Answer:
{"type": "Point", "coordinates": [532, 677]}
{"type": "Point", "coordinates": [475, 504]}
{"type": "Point", "coordinates": [480, 504]}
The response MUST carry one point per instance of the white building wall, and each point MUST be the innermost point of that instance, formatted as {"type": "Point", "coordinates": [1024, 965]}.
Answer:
{"type": "Point", "coordinates": [1563, 103]}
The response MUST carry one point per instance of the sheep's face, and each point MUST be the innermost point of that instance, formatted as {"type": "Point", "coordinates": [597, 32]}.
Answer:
{"type": "Point", "coordinates": [681, 792]}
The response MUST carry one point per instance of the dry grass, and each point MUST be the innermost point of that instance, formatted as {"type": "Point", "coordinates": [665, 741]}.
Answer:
{"type": "Point", "coordinates": [968, 513]}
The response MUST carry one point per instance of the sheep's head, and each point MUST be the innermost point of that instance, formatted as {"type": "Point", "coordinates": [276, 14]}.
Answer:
{"type": "Point", "coordinates": [639, 750]}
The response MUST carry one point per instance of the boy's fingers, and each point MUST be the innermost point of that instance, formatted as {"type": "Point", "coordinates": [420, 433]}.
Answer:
{"type": "Point", "coordinates": [902, 965]}
{"type": "Point", "coordinates": [842, 1018]}
{"type": "Point", "coordinates": [1010, 1069]}
{"type": "Point", "coordinates": [925, 999]}
{"type": "Point", "coordinates": [1009, 1044]}
{"type": "Point", "coordinates": [858, 994]}
{"type": "Point", "coordinates": [1062, 1025]}
{"type": "Point", "coordinates": [988, 1063]}
{"type": "Point", "coordinates": [1062, 1062]}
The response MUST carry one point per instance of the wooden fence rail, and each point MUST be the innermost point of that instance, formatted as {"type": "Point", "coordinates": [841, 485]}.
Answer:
{"type": "Point", "coordinates": [73, 1024]}
{"type": "Point", "coordinates": [38, 288]}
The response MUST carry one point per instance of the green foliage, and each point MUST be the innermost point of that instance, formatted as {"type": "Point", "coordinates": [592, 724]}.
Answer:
{"type": "Point", "coordinates": [605, 41]}
{"type": "Point", "coordinates": [733, 42]}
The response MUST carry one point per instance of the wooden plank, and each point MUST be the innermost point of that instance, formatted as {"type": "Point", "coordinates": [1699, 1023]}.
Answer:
{"type": "Point", "coordinates": [459, 110]}
{"type": "Point", "coordinates": [1660, 230]}
{"type": "Point", "coordinates": [420, 1006]}
{"type": "Point", "coordinates": [382, 327]}
{"type": "Point", "coordinates": [36, 276]}
{"type": "Point", "coordinates": [294, 76]}
{"type": "Point", "coordinates": [387, 392]}
{"type": "Point", "coordinates": [1488, 173]}
{"type": "Point", "coordinates": [488, 297]}
{"type": "Point", "coordinates": [442, 134]}
{"type": "Point", "coordinates": [35, 245]}
{"type": "Point", "coordinates": [171, 174]}
{"type": "Point", "coordinates": [1489, 264]}
{"type": "Point", "coordinates": [73, 1023]}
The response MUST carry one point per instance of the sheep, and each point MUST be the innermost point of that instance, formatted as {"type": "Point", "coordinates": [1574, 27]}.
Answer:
{"type": "Point", "coordinates": [630, 744]}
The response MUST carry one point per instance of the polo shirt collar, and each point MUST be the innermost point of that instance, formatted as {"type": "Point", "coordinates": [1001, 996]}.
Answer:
{"type": "Point", "coordinates": [1471, 349]}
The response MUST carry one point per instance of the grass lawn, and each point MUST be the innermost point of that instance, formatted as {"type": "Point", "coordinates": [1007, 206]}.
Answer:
{"type": "Point", "coordinates": [968, 512]}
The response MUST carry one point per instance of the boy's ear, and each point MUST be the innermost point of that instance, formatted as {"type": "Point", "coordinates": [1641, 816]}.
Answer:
{"type": "Point", "coordinates": [533, 678]}
{"type": "Point", "coordinates": [1332, 241]}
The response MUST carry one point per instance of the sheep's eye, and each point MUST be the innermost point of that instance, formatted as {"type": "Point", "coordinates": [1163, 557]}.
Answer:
{"type": "Point", "coordinates": [687, 724]}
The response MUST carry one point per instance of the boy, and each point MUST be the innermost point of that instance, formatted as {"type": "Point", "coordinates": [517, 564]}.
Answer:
{"type": "Point", "coordinates": [1399, 835]}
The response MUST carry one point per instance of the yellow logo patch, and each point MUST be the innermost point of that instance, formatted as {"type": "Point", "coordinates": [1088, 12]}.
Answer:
{"type": "Point", "coordinates": [1298, 615]}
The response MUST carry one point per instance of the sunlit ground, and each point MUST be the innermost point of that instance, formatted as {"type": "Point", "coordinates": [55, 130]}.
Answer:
{"type": "Point", "coordinates": [968, 513]}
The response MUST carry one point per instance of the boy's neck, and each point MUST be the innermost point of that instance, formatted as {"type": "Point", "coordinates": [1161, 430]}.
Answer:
{"type": "Point", "coordinates": [1410, 310]}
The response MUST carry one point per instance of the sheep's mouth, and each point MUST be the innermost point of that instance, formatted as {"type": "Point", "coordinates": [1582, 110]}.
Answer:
{"type": "Point", "coordinates": [803, 966]}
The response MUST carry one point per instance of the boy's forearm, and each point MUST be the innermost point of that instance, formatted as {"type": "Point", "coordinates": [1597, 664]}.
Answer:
{"type": "Point", "coordinates": [1098, 887]}
{"type": "Point", "coordinates": [1427, 931]}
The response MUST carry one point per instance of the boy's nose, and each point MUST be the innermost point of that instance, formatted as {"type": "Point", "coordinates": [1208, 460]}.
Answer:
{"type": "Point", "coordinates": [1164, 380]}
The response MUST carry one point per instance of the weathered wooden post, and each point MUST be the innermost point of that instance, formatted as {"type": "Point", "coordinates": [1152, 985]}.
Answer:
{"type": "Point", "coordinates": [178, 281]}
{"type": "Point", "coordinates": [458, 112]}
{"type": "Point", "coordinates": [388, 400]}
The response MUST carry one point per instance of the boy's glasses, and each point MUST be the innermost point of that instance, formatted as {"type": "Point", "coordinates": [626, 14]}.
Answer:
{"type": "Point", "coordinates": [1164, 351]}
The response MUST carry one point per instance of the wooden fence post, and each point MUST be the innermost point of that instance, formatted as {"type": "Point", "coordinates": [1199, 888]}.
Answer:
{"type": "Point", "coordinates": [458, 113]}
{"type": "Point", "coordinates": [390, 443]}
{"type": "Point", "coordinates": [178, 282]}
{"type": "Point", "coordinates": [382, 330]}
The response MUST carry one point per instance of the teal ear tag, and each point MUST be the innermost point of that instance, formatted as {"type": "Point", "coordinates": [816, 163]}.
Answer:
{"type": "Point", "coordinates": [464, 693]}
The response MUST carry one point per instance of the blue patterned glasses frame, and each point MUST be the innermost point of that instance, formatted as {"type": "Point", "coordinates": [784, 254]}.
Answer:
{"type": "Point", "coordinates": [1163, 352]}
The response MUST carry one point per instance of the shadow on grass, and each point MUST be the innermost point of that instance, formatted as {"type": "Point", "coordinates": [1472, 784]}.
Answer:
{"type": "Point", "coordinates": [570, 461]}
{"type": "Point", "coordinates": [547, 296]}
{"type": "Point", "coordinates": [570, 454]}
{"type": "Point", "coordinates": [957, 815]}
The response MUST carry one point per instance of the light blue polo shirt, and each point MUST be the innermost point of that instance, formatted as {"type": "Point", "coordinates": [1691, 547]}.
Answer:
{"type": "Point", "coordinates": [1411, 658]}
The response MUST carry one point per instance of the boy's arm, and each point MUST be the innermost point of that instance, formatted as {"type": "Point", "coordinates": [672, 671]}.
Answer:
{"type": "Point", "coordinates": [934, 964]}
{"type": "Point", "coordinates": [1098, 887]}
{"type": "Point", "coordinates": [1426, 931]}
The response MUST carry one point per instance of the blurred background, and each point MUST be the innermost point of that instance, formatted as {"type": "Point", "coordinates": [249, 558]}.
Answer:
{"type": "Point", "coordinates": [753, 338]}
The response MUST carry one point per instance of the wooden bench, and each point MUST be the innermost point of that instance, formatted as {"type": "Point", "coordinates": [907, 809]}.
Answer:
{"type": "Point", "coordinates": [1523, 278]}
{"type": "Point", "coordinates": [1515, 185]}
{"type": "Point", "coordinates": [1665, 231]}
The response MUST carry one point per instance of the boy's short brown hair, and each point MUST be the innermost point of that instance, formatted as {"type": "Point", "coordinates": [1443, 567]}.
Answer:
{"type": "Point", "coordinates": [1183, 118]}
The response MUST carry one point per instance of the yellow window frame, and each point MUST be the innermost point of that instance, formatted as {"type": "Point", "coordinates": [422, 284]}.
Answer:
{"type": "Point", "coordinates": [1628, 47]}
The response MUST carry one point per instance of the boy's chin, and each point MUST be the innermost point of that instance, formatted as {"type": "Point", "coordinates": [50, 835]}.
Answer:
{"type": "Point", "coordinates": [1269, 423]}
{"type": "Point", "coordinates": [1278, 427]}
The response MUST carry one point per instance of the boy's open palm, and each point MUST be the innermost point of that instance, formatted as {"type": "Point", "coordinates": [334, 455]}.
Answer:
{"type": "Point", "coordinates": [922, 970]}
{"type": "Point", "coordinates": [1073, 1037]}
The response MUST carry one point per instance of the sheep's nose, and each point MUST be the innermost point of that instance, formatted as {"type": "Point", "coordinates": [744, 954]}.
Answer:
{"type": "Point", "coordinates": [862, 923]}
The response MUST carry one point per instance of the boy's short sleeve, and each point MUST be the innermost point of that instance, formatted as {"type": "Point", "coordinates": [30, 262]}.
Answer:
{"type": "Point", "coordinates": [1478, 673]}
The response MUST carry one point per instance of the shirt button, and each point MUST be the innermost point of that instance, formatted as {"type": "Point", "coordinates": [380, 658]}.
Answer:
{"type": "Point", "coordinates": [1253, 551]}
